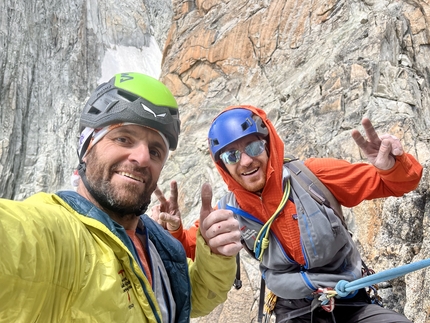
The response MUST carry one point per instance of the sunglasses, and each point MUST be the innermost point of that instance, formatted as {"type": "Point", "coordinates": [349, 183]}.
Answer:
{"type": "Point", "coordinates": [253, 149]}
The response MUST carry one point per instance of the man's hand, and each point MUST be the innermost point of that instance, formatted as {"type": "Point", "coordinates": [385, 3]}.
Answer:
{"type": "Point", "coordinates": [219, 228]}
{"type": "Point", "coordinates": [380, 151]}
{"type": "Point", "coordinates": [167, 213]}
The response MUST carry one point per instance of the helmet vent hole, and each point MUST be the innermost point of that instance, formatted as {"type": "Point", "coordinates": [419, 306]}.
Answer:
{"type": "Point", "coordinates": [174, 112]}
{"type": "Point", "coordinates": [128, 96]}
{"type": "Point", "coordinates": [246, 124]}
{"type": "Point", "coordinates": [94, 110]}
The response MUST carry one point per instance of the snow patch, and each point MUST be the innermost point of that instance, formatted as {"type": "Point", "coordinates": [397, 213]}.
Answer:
{"type": "Point", "coordinates": [122, 59]}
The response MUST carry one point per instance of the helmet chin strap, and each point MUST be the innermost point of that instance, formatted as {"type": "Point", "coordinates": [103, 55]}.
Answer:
{"type": "Point", "coordinates": [82, 167]}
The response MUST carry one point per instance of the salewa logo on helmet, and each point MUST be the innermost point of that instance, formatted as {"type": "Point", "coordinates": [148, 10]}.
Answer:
{"type": "Point", "coordinates": [161, 115]}
{"type": "Point", "coordinates": [125, 77]}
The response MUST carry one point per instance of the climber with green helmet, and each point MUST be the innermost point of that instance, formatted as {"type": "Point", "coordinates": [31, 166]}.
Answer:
{"type": "Point", "coordinates": [91, 254]}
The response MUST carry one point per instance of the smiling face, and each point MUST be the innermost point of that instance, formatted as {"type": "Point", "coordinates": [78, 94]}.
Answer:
{"type": "Point", "coordinates": [122, 169]}
{"type": "Point", "coordinates": [249, 172]}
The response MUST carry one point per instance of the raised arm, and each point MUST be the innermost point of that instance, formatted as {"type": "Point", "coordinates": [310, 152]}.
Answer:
{"type": "Point", "coordinates": [214, 269]}
{"type": "Point", "coordinates": [390, 171]}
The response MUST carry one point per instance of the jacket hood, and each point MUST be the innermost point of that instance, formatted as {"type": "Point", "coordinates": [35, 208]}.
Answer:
{"type": "Point", "coordinates": [272, 191]}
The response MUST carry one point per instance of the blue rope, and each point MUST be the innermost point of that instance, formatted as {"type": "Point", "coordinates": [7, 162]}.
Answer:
{"type": "Point", "coordinates": [343, 288]}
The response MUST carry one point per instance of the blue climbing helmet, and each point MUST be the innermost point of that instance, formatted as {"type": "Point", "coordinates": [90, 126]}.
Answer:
{"type": "Point", "coordinates": [232, 125]}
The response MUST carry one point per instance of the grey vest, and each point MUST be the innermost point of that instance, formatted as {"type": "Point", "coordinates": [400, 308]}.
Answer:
{"type": "Point", "coordinates": [330, 254]}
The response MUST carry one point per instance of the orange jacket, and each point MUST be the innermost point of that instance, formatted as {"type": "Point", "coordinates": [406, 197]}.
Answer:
{"type": "Point", "coordinates": [350, 184]}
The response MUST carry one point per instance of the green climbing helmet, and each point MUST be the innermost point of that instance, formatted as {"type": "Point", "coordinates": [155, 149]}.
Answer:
{"type": "Point", "coordinates": [135, 98]}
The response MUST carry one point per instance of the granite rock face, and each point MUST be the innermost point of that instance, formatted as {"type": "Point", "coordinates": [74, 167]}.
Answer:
{"type": "Point", "coordinates": [52, 55]}
{"type": "Point", "coordinates": [316, 67]}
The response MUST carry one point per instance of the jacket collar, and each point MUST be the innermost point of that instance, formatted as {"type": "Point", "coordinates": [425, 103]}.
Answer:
{"type": "Point", "coordinates": [89, 210]}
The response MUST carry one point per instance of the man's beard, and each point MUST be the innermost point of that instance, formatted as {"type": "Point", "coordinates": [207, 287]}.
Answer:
{"type": "Point", "coordinates": [109, 197]}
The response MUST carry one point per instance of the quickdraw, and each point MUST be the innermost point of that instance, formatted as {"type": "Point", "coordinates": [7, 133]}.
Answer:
{"type": "Point", "coordinates": [326, 297]}
{"type": "Point", "coordinates": [269, 306]}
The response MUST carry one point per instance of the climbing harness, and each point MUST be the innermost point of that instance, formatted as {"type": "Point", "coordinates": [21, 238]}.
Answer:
{"type": "Point", "coordinates": [325, 297]}
{"type": "Point", "coordinates": [322, 295]}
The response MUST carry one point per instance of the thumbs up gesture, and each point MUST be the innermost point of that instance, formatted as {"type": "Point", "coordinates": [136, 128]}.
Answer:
{"type": "Point", "coordinates": [219, 228]}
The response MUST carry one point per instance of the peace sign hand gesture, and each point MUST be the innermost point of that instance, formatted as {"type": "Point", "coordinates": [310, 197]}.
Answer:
{"type": "Point", "coordinates": [167, 213]}
{"type": "Point", "coordinates": [380, 151]}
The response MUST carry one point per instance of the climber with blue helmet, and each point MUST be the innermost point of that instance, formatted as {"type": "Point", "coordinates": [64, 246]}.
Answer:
{"type": "Point", "coordinates": [247, 132]}
{"type": "Point", "coordinates": [300, 240]}
{"type": "Point", "coordinates": [91, 254]}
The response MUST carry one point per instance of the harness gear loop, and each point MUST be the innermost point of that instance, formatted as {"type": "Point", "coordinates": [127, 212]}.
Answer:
{"type": "Point", "coordinates": [301, 311]}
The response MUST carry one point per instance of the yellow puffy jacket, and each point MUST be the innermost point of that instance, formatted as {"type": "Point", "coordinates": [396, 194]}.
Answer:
{"type": "Point", "coordinates": [57, 265]}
